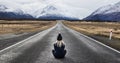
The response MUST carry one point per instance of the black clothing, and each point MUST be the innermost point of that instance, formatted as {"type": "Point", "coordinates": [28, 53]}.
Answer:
{"type": "Point", "coordinates": [59, 55]}
{"type": "Point", "coordinates": [59, 48]}
{"type": "Point", "coordinates": [59, 52]}
{"type": "Point", "coordinates": [59, 38]}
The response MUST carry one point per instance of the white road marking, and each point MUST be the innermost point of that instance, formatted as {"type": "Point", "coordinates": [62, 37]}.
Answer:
{"type": "Point", "coordinates": [19, 43]}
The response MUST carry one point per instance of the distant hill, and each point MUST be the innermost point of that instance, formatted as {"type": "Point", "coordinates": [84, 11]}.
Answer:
{"type": "Point", "coordinates": [106, 13]}
{"type": "Point", "coordinates": [12, 15]}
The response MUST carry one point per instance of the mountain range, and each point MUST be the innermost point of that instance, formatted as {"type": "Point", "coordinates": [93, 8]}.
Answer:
{"type": "Point", "coordinates": [106, 13]}
{"type": "Point", "coordinates": [50, 11]}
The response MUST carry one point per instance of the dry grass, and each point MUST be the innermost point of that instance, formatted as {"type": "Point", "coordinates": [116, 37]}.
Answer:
{"type": "Point", "coordinates": [96, 28]}
{"type": "Point", "coordinates": [18, 27]}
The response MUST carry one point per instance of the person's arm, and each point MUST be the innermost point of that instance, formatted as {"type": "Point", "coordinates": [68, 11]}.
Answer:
{"type": "Point", "coordinates": [55, 46]}
{"type": "Point", "coordinates": [63, 46]}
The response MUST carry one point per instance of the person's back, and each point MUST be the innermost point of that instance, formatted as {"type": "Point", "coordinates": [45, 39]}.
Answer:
{"type": "Point", "coordinates": [59, 48]}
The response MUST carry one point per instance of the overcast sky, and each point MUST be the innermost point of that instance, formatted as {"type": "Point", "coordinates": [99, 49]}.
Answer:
{"type": "Point", "coordinates": [80, 8]}
{"type": "Point", "coordinates": [88, 6]}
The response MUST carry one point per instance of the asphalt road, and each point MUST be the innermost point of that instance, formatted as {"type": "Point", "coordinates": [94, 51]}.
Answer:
{"type": "Point", "coordinates": [80, 49]}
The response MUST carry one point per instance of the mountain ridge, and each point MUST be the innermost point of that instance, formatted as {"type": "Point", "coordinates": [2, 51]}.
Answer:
{"type": "Point", "coordinates": [106, 13]}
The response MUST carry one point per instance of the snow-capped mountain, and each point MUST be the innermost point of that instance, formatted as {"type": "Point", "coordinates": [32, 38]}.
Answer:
{"type": "Point", "coordinates": [13, 10]}
{"type": "Point", "coordinates": [54, 12]}
{"type": "Point", "coordinates": [106, 13]}
{"type": "Point", "coordinates": [9, 13]}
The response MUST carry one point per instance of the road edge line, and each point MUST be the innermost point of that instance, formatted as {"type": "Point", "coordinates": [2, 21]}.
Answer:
{"type": "Point", "coordinates": [20, 42]}
{"type": "Point", "coordinates": [101, 43]}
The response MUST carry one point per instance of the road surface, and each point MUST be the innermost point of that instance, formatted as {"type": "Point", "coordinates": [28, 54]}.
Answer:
{"type": "Point", "coordinates": [80, 49]}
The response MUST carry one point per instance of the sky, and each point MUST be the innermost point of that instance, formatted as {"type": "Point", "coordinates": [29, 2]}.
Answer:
{"type": "Point", "coordinates": [78, 8]}
{"type": "Point", "coordinates": [89, 6]}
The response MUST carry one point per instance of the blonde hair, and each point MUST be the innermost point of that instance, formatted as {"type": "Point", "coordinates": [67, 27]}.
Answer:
{"type": "Point", "coordinates": [60, 43]}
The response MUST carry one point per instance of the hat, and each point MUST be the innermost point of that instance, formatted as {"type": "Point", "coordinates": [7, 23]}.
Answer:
{"type": "Point", "coordinates": [59, 37]}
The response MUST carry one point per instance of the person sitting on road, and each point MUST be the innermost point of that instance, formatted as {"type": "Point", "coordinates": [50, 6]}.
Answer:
{"type": "Point", "coordinates": [59, 48]}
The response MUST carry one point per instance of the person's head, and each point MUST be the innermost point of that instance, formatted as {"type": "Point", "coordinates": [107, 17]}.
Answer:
{"type": "Point", "coordinates": [59, 37]}
{"type": "Point", "coordinates": [59, 40]}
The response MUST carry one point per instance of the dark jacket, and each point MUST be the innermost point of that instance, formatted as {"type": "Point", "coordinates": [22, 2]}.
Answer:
{"type": "Point", "coordinates": [59, 52]}
{"type": "Point", "coordinates": [59, 49]}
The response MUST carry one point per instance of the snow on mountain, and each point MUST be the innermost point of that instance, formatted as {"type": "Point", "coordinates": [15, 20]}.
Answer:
{"type": "Point", "coordinates": [109, 13]}
{"type": "Point", "coordinates": [8, 11]}
{"type": "Point", "coordinates": [45, 10]}
{"type": "Point", "coordinates": [55, 12]}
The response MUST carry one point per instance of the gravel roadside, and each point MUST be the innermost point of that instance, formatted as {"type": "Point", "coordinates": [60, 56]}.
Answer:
{"type": "Point", "coordinates": [114, 43]}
